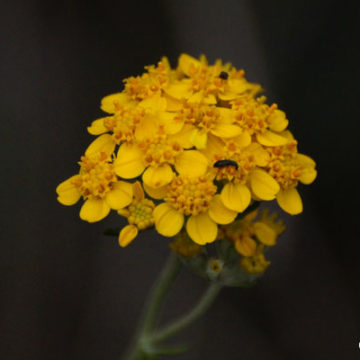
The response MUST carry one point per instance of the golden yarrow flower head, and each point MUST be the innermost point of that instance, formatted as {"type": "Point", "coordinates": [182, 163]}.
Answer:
{"type": "Point", "coordinates": [201, 143]}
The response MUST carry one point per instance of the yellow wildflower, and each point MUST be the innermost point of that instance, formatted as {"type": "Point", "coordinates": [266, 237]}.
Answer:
{"type": "Point", "coordinates": [247, 232]}
{"type": "Point", "coordinates": [97, 183]}
{"type": "Point", "coordinates": [200, 82]}
{"type": "Point", "coordinates": [184, 246]}
{"type": "Point", "coordinates": [288, 167]}
{"type": "Point", "coordinates": [139, 214]}
{"type": "Point", "coordinates": [193, 197]}
{"type": "Point", "coordinates": [255, 264]}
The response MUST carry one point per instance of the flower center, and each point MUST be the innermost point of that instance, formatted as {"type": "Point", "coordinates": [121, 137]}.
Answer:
{"type": "Point", "coordinates": [124, 122]}
{"type": "Point", "coordinates": [285, 173]}
{"type": "Point", "coordinates": [96, 176]}
{"type": "Point", "coordinates": [141, 213]}
{"type": "Point", "coordinates": [190, 196]}
{"type": "Point", "coordinates": [159, 151]}
{"type": "Point", "coordinates": [203, 116]}
{"type": "Point", "coordinates": [283, 167]}
{"type": "Point", "coordinates": [252, 115]}
{"type": "Point", "coordinates": [149, 84]}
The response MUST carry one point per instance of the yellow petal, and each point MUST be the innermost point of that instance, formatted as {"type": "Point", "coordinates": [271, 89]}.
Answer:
{"type": "Point", "coordinates": [243, 140]}
{"type": "Point", "coordinates": [108, 103]}
{"type": "Point", "coordinates": [198, 138]}
{"type": "Point", "coordinates": [214, 147]}
{"type": "Point", "coordinates": [172, 104]}
{"type": "Point", "coordinates": [265, 233]}
{"type": "Point", "coordinates": [269, 138]}
{"type": "Point", "coordinates": [191, 163]}
{"type": "Point", "coordinates": [219, 212]}
{"type": "Point", "coordinates": [278, 121]}
{"type": "Point", "coordinates": [263, 185]}
{"type": "Point", "coordinates": [183, 136]}
{"type": "Point", "coordinates": [290, 201]}
{"type": "Point", "coordinates": [94, 210]}
{"type": "Point", "coordinates": [308, 175]}
{"type": "Point", "coordinates": [154, 103]}
{"type": "Point", "coordinates": [186, 62]}
{"type": "Point", "coordinates": [236, 197]}
{"type": "Point", "coordinates": [127, 235]}
{"type": "Point", "coordinates": [168, 221]}
{"type": "Point", "coordinates": [147, 128]}
{"type": "Point", "coordinates": [198, 97]}
{"type": "Point", "coordinates": [261, 156]}
{"type": "Point", "coordinates": [120, 196]}
{"type": "Point", "coordinates": [305, 160]}
{"type": "Point", "coordinates": [97, 127]}
{"type": "Point", "coordinates": [158, 193]}
{"type": "Point", "coordinates": [171, 123]}
{"type": "Point", "coordinates": [158, 176]}
{"type": "Point", "coordinates": [226, 130]}
{"type": "Point", "coordinates": [68, 193]}
{"type": "Point", "coordinates": [138, 191]}
{"type": "Point", "coordinates": [129, 162]}
{"type": "Point", "coordinates": [104, 143]}
{"type": "Point", "coordinates": [201, 228]}
{"type": "Point", "coordinates": [179, 90]}
{"type": "Point", "coordinates": [245, 246]}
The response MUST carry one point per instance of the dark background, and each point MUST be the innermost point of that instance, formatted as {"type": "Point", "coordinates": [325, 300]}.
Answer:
{"type": "Point", "coordinates": [68, 292]}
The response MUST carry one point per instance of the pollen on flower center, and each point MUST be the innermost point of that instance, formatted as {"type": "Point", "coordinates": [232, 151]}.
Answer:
{"type": "Point", "coordinates": [159, 151]}
{"type": "Point", "coordinates": [124, 122]}
{"type": "Point", "coordinates": [253, 114]}
{"type": "Point", "coordinates": [285, 173]}
{"type": "Point", "coordinates": [190, 196]}
{"type": "Point", "coordinates": [96, 176]}
{"type": "Point", "coordinates": [141, 213]}
{"type": "Point", "coordinates": [203, 116]}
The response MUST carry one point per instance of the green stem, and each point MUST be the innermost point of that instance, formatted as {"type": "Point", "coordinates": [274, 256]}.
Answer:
{"type": "Point", "coordinates": [153, 306]}
{"type": "Point", "coordinates": [201, 307]}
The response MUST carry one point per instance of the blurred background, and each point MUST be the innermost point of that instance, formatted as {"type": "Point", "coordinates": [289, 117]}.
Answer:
{"type": "Point", "coordinates": [67, 291]}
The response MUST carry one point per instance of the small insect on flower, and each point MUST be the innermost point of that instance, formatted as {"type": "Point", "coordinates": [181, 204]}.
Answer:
{"type": "Point", "coordinates": [223, 163]}
{"type": "Point", "coordinates": [224, 75]}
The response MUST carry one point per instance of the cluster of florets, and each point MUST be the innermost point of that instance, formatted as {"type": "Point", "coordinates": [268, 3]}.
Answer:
{"type": "Point", "coordinates": [187, 149]}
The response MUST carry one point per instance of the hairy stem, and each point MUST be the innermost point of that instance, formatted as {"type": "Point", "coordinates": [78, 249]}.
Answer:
{"type": "Point", "coordinates": [199, 309]}
{"type": "Point", "coordinates": [153, 305]}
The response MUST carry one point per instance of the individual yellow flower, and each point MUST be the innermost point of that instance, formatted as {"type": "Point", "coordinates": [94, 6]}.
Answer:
{"type": "Point", "coordinates": [259, 119]}
{"type": "Point", "coordinates": [200, 82]}
{"type": "Point", "coordinates": [131, 121]}
{"type": "Point", "coordinates": [247, 233]}
{"type": "Point", "coordinates": [151, 83]}
{"type": "Point", "coordinates": [240, 168]}
{"type": "Point", "coordinates": [184, 246]}
{"type": "Point", "coordinates": [255, 264]}
{"type": "Point", "coordinates": [139, 214]}
{"type": "Point", "coordinates": [158, 156]}
{"type": "Point", "coordinates": [195, 198]}
{"type": "Point", "coordinates": [288, 167]}
{"type": "Point", "coordinates": [205, 119]}
{"type": "Point", "coordinates": [97, 183]}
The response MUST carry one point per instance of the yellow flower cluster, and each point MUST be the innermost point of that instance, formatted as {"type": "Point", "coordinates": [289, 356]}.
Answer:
{"type": "Point", "coordinates": [203, 144]}
{"type": "Point", "coordinates": [251, 236]}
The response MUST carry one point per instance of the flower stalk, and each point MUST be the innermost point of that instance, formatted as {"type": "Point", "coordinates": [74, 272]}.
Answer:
{"type": "Point", "coordinates": [147, 342]}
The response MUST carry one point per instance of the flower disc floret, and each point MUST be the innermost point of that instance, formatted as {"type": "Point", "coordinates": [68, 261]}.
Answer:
{"type": "Point", "coordinates": [140, 213]}
{"type": "Point", "coordinates": [159, 150]}
{"type": "Point", "coordinates": [190, 196]}
{"type": "Point", "coordinates": [150, 83]}
{"type": "Point", "coordinates": [96, 176]}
